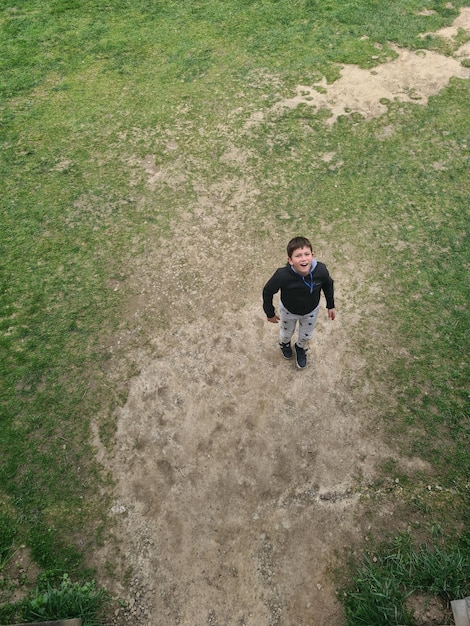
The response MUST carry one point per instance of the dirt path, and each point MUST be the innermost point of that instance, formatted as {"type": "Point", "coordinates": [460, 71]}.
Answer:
{"type": "Point", "coordinates": [237, 475]}
{"type": "Point", "coordinates": [236, 471]}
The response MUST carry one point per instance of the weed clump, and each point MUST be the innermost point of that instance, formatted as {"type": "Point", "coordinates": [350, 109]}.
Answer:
{"type": "Point", "coordinates": [67, 600]}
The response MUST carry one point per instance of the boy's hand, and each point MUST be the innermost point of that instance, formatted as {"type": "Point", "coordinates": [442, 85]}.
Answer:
{"type": "Point", "coordinates": [273, 320]}
{"type": "Point", "coordinates": [331, 314]}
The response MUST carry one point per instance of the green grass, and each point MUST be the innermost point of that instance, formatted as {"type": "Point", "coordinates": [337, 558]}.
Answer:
{"type": "Point", "coordinates": [87, 89]}
{"type": "Point", "coordinates": [381, 584]}
{"type": "Point", "coordinates": [68, 600]}
{"type": "Point", "coordinates": [63, 600]}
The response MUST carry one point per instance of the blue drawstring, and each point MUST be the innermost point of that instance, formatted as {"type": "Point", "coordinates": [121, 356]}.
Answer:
{"type": "Point", "coordinates": [309, 284]}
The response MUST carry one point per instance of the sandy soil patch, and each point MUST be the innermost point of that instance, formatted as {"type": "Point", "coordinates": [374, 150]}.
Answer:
{"type": "Point", "coordinates": [411, 77]}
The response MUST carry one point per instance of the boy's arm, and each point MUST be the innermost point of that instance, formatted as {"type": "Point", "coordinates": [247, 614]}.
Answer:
{"type": "Point", "coordinates": [270, 288]}
{"type": "Point", "coordinates": [329, 291]}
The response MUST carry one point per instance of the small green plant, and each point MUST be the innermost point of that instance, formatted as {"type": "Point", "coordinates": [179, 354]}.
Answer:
{"type": "Point", "coordinates": [68, 600]}
{"type": "Point", "coordinates": [7, 536]}
{"type": "Point", "coordinates": [7, 613]}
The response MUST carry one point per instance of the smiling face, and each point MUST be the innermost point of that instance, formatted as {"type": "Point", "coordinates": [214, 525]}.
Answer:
{"type": "Point", "coordinates": [301, 260]}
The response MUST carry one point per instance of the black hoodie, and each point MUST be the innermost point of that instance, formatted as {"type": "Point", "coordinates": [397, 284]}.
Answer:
{"type": "Point", "coordinates": [299, 294]}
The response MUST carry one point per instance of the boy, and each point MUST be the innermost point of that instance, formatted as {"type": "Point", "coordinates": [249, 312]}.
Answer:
{"type": "Point", "coordinates": [301, 280]}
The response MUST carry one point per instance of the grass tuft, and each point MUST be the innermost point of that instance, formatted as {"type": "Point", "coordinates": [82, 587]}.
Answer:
{"type": "Point", "coordinates": [383, 581]}
{"type": "Point", "coordinates": [67, 601]}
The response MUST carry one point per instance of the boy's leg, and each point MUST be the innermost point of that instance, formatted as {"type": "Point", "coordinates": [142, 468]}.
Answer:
{"type": "Point", "coordinates": [306, 327]}
{"type": "Point", "coordinates": [287, 322]}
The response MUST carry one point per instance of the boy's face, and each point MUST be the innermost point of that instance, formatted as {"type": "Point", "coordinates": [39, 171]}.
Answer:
{"type": "Point", "coordinates": [301, 260]}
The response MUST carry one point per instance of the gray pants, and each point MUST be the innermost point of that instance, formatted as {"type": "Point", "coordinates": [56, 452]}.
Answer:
{"type": "Point", "coordinates": [288, 322]}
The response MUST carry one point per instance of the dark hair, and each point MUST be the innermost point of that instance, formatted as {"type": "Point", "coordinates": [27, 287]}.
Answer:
{"type": "Point", "coordinates": [296, 243]}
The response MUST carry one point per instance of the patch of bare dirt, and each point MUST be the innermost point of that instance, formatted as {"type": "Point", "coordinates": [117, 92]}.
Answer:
{"type": "Point", "coordinates": [411, 77]}
{"type": "Point", "coordinates": [429, 611]}
{"type": "Point", "coordinates": [16, 574]}
{"type": "Point", "coordinates": [237, 476]}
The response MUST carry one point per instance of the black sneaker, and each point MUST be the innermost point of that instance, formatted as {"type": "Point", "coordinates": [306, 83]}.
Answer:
{"type": "Point", "coordinates": [286, 350]}
{"type": "Point", "coordinates": [300, 357]}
